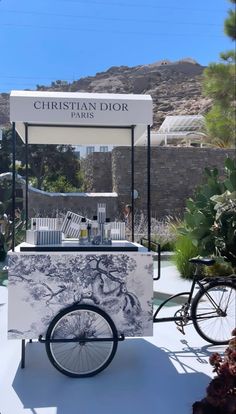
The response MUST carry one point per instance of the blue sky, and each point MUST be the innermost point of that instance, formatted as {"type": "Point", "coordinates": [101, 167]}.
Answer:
{"type": "Point", "coordinates": [46, 40]}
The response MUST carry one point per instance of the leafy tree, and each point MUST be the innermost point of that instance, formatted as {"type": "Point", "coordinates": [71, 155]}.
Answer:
{"type": "Point", "coordinates": [230, 23]}
{"type": "Point", "coordinates": [219, 84]}
{"type": "Point", "coordinates": [59, 185]}
{"type": "Point", "coordinates": [221, 126]}
{"type": "Point", "coordinates": [65, 164]}
{"type": "Point", "coordinates": [47, 163]}
{"type": "Point", "coordinates": [6, 225]}
{"type": "Point", "coordinates": [5, 150]}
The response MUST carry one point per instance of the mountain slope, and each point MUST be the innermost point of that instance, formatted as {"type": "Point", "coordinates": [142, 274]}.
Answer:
{"type": "Point", "coordinates": [174, 86]}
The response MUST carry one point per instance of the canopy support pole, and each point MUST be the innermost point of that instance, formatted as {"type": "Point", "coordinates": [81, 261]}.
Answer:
{"type": "Point", "coordinates": [132, 181]}
{"type": "Point", "coordinates": [149, 185]}
{"type": "Point", "coordinates": [26, 177]}
{"type": "Point", "coordinates": [13, 183]}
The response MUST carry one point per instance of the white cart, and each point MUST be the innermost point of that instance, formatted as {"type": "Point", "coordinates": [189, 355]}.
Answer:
{"type": "Point", "coordinates": [81, 301]}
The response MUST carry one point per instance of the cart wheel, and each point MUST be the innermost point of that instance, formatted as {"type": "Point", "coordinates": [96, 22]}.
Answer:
{"type": "Point", "coordinates": [72, 354]}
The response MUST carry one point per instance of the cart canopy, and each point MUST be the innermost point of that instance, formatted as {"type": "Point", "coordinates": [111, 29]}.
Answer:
{"type": "Point", "coordinates": [80, 118]}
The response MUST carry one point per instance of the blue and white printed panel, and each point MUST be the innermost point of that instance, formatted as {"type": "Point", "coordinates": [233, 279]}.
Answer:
{"type": "Point", "coordinates": [40, 285]}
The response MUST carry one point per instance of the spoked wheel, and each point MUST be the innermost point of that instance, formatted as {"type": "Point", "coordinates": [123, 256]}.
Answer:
{"type": "Point", "coordinates": [214, 312]}
{"type": "Point", "coordinates": [81, 341]}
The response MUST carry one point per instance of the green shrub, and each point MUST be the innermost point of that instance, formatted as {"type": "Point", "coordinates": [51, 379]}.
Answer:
{"type": "Point", "coordinates": [210, 216]}
{"type": "Point", "coordinates": [220, 268]}
{"type": "Point", "coordinates": [184, 250]}
{"type": "Point", "coordinates": [6, 224]}
{"type": "Point", "coordinates": [225, 225]}
{"type": "Point", "coordinates": [3, 274]}
{"type": "Point", "coordinates": [164, 232]}
{"type": "Point", "coordinates": [166, 245]}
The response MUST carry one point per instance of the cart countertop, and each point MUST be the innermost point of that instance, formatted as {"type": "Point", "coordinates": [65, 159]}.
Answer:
{"type": "Point", "coordinates": [72, 245]}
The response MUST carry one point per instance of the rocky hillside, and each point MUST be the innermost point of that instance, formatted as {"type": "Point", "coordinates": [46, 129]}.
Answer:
{"type": "Point", "coordinates": [174, 86]}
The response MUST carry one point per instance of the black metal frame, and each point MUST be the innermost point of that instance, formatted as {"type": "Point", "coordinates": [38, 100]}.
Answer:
{"type": "Point", "coordinates": [196, 281]}
{"type": "Point", "coordinates": [132, 128]}
{"type": "Point", "coordinates": [13, 182]}
{"type": "Point", "coordinates": [75, 340]}
{"type": "Point", "coordinates": [157, 248]}
{"type": "Point", "coordinates": [188, 302]}
{"type": "Point", "coordinates": [26, 176]}
{"type": "Point", "coordinates": [27, 126]}
{"type": "Point", "coordinates": [132, 181]}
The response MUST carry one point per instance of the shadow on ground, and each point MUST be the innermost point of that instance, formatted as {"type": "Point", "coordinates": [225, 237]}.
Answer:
{"type": "Point", "coordinates": [140, 380]}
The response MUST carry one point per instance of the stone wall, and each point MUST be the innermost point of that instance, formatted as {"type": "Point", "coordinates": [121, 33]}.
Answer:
{"type": "Point", "coordinates": [97, 169]}
{"type": "Point", "coordinates": [175, 173]}
{"type": "Point", "coordinates": [48, 204]}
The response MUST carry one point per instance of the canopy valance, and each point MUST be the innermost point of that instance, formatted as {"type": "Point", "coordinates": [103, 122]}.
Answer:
{"type": "Point", "coordinates": [80, 118]}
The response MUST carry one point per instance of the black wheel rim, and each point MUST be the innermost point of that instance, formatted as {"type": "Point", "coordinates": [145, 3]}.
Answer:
{"type": "Point", "coordinates": [82, 358]}
{"type": "Point", "coordinates": [215, 313]}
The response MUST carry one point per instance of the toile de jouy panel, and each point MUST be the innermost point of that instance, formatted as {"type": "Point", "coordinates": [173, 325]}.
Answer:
{"type": "Point", "coordinates": [41, 284]}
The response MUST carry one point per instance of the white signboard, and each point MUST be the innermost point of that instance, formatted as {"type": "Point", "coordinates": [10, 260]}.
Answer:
{"type": "Point", "coordinates": [80, 108]}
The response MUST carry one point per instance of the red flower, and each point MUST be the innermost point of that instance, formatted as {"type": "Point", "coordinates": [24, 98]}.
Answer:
{"type": "Point", "coordinates": [217, 391]}
{"type": "Point", "coordinates": [232, 371]}
{"type": "Point", "coordinates": [232, 344]}
{"type": "Point", "coordinates": [224, 369]}
{"type": "Point", "coordinates": [215, 359]}
{"type": "Point", "coordinates": [232, 357]}
{"type": "Point", "coordinates": [221, 392]}
{"type": "Point", "coordinates": [234, 332]}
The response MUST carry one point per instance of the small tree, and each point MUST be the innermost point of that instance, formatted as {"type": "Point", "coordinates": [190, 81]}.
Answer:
{"type": "Point", "coordinates": [230, 23]}
{"type": "Point", "coordinates": [225, 225]}
{"type": "Point", "coordinates": [47, 163]}
{"type": "Point", "coordinates": [6, 224]}
{"type": "Point", "coordinates": [209, 220]}
{"type": "Point", "coordinates": [219, 84]}
{"type": "Point", "coordinates": [5, 151]}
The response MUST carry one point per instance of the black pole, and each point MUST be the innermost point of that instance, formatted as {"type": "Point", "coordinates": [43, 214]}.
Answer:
{"type": "Point", "coordinates": [149, 185]}
{"type": "Point", "coordinates": [26, 177]}
{"type": "Point", "coordinates": [132, 179]}
{"type": "Point", "coordinates": [13, 183]}
{"type": "Point", "coordinates": [23, 353]}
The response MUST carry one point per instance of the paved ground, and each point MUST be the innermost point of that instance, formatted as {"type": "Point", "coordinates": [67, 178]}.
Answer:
{"type": "Point", "coordinates": [163, 374]}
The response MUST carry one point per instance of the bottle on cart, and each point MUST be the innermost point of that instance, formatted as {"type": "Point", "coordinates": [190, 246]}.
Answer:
{"type": "Point", "coordinates": [89, 232]}
{"type": "Point", "coordinates": [107, 232]}
{"type": "Point", "coordinates": [83, 234]}
{"type": "Point", "coordinates": [95, 231]}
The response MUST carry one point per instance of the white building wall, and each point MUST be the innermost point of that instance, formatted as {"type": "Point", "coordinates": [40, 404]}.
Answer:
{"type": "Point", "coordinates": [85, 150]}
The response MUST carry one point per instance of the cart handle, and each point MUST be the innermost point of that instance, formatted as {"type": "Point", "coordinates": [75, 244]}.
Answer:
{"type": "Point", "coordinates": [158, 251]}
